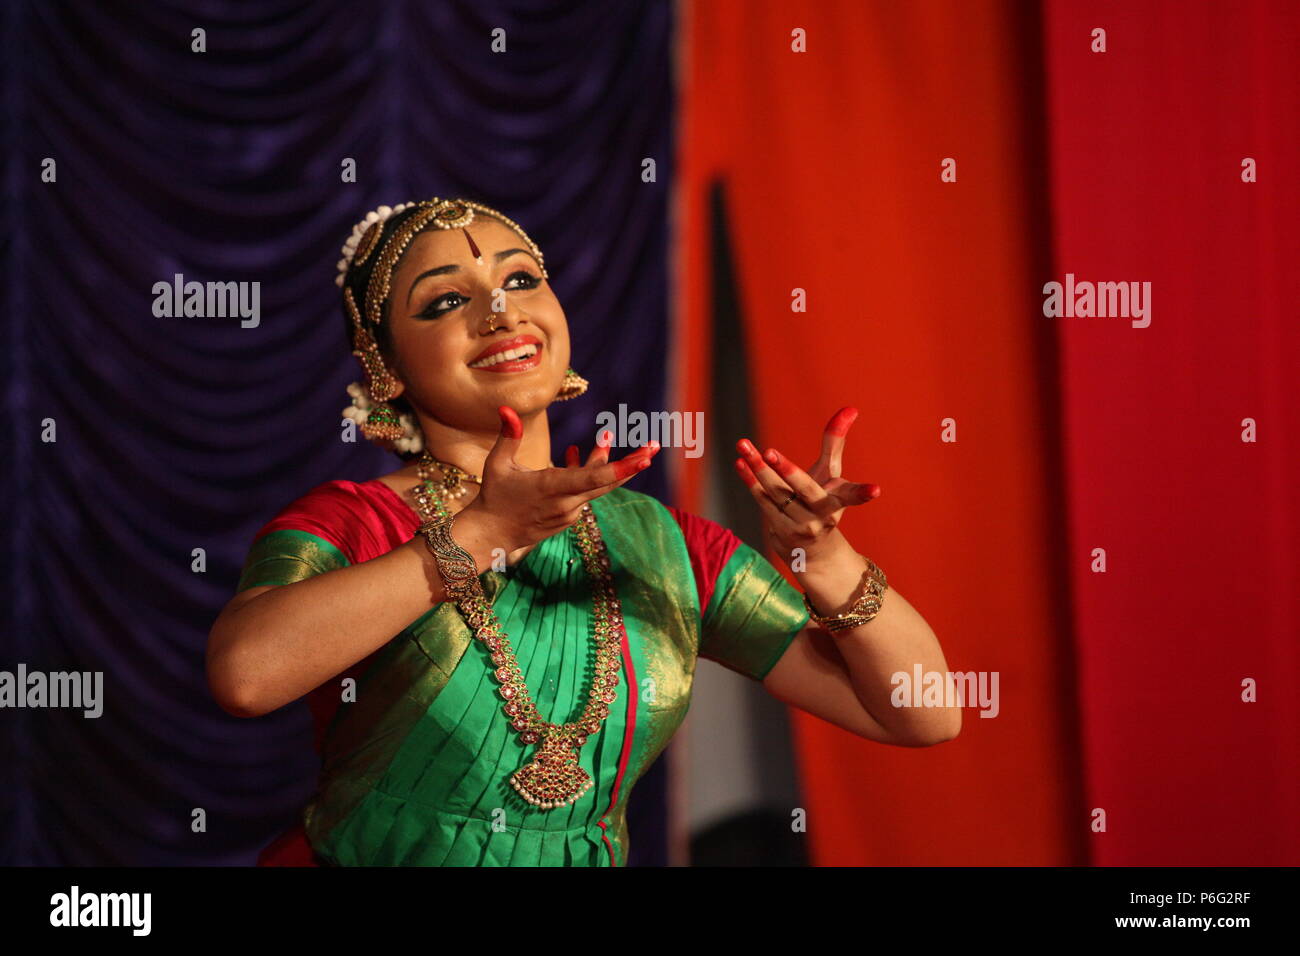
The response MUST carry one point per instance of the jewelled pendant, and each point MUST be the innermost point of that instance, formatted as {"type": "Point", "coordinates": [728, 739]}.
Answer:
{"type": "Point", "coordinates": [554, 778]}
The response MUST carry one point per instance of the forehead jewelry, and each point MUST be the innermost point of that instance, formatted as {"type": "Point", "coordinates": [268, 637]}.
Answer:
{"type": "Point", "coordinates": [442, 213]}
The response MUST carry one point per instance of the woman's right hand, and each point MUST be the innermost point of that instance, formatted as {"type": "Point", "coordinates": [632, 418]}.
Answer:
{"type": "Point", "coordinates": [523, 506]}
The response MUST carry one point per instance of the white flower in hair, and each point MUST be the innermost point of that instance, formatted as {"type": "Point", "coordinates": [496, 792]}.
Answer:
{"type": "Point", "coordinates": [350, 247]}
{"type": "Point", "coordinates": [359, 410]}
{"type": "Point", "coordinates": [413, 439]}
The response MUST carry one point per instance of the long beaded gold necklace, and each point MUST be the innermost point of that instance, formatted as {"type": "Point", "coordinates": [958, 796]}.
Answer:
{"type": "Point", "coordinates": [554, 778]}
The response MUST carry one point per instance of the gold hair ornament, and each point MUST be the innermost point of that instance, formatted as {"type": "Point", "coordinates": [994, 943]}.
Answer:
{"type": "Point", "coordinates": [383, 422]}
{"type": "Point", "coordinates": [443, 213]}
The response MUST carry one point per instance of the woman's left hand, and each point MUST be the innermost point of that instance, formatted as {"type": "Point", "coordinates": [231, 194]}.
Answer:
{"type": "Point", "coordinates": [801, 509]}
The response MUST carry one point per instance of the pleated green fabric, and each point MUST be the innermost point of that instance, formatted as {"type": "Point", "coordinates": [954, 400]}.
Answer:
{"type": "Point", "coordinates": [445, 799]}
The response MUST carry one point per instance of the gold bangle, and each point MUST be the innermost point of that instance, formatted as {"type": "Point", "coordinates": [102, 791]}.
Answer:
{"type": "Point", "coordinates": [456, 565]}
{"type": "Point", "coordinates": [866, 607]}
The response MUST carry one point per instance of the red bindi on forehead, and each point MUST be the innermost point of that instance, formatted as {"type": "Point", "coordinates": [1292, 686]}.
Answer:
{"type": "Point", "coordinates": [473, 249]}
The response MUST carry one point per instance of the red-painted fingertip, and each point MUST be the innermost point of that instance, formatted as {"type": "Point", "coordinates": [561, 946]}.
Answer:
{"type": "Point", "coordinates": [841, 420]}
{"type": "Point", "coordinates": [746, 447]}
{"type": "Point", "coordinates": [779, 462]}
{"type": "Point", "coordinates": [511, 426]}
{"type": "Point", "coordinates": [645, 451]}
{"type": "Point", "coordinates": [873, 491]}
{"type": "Point", "coordinates": [743, 470]}
{"type": "Point", "coordinates": [571, 455]}
{"type": "Point", "coordinates": [605, 438]}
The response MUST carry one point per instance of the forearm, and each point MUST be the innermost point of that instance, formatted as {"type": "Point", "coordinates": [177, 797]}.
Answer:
{"type": "Point", "coordinates": [896, 641]}
{"type": "Point", "coordinates": [284, 642]}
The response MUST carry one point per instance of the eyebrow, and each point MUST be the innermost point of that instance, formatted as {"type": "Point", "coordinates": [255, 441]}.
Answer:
{"type": "Point", "coordinates": [444, 270]}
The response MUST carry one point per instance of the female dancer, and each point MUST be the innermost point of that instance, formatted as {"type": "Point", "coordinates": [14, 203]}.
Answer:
{"type": "Point", "coordinates": [495, 649]}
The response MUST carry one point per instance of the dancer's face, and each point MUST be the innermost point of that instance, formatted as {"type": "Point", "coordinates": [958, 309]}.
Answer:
{"type": "Point", "coordinates": [443, 309]}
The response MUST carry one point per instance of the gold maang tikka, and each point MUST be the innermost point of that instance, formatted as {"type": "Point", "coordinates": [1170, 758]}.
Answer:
{"type": "Point", "coordinates": [443, 213]}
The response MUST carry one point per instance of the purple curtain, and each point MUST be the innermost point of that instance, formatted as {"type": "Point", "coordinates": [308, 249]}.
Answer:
{"type": "Point", "coordinates": [175, 434]}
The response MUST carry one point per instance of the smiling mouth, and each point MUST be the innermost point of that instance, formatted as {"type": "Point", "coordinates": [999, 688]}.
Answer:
{"type": "Point", "coordinates": [517, 359]}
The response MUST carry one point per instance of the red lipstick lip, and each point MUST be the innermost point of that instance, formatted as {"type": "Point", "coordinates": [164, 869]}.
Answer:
{"type": "Point", "coordinates": [501, 346]}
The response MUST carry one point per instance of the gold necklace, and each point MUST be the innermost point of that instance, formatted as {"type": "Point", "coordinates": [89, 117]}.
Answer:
{"type": "Point", "coordinates": [453, 477]}
{"type": "Point", "coordinates": [554, 778]}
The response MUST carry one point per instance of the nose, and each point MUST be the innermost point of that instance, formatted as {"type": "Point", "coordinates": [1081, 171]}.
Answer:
{"type": "Point", "coordinates": [505, 320]}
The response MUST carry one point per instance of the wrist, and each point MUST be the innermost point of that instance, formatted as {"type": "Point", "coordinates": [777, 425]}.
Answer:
{"type": "Point", "coordinates": [482, 533]}
{"type": "Point", "coordinates": [861, 607]}
{"type": "Point", "coordinates": [831, 555]}
{"type": "Point", "coordinates": [832, 588]}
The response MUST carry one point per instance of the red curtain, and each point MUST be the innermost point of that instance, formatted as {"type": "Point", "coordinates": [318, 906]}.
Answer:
{"type": "Point", "coordinates": [1198, 527]}
{"type": "Point", "coordinates": [920, 297]}
{"type": "Point", "coordinates": [1121, 691]}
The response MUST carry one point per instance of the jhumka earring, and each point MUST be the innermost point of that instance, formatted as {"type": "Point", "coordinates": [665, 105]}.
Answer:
{"type": "Point", "coordinates": [383, 422]}
{"type": "Point", "coordinates": [574, 385]}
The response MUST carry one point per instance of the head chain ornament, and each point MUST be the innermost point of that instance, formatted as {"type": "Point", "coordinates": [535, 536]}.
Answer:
{"type": "Point", "coordinates": [366, 271]}
{"type": "Point", "coordinates": [443, 213]}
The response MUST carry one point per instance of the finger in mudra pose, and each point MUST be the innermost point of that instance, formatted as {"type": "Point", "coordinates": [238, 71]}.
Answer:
{"type": "Point", "coordinates": [496, 647]}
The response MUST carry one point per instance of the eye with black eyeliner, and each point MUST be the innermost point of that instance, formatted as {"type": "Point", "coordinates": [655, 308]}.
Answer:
{"type": "Point", "coordinates": [431, 311]}
{"type": "Point", "coordinates": [531, 281]}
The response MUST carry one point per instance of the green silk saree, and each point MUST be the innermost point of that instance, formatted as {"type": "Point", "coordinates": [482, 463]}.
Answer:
{"type": "Point", "coordinates": [417, 755]}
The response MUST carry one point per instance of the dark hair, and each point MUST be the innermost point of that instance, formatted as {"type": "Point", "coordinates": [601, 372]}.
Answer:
{"type": "Point", "coordinates": [356, 280]}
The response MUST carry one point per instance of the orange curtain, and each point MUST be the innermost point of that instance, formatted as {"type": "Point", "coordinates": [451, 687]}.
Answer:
{"type": "Point", "coordinates": [922, 305]}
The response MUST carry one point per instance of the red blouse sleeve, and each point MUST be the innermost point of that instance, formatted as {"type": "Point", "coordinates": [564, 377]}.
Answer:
{"type": "Point", "coordinates": [709, 546]}
{"type": "Point", "coordinates": [363, 520]}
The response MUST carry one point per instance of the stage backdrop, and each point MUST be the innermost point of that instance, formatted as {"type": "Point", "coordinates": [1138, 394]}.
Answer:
{"type": "Point", "coordinates": [921, 171]}
{"type": "Point", "coordinates": [917, 171]}
{"type": "Point", "coordinates": [1174, 159]}
{"type": "Point", "coordinates": [177, 434]}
